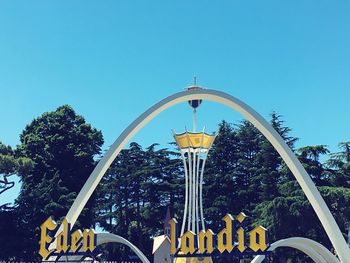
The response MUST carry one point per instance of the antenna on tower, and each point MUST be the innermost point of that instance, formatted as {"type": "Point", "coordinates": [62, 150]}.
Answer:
{"type": "Point", "coordinates": [194, 109]}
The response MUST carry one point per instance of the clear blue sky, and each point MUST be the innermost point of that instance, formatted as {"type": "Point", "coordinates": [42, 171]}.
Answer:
{"type": "Point", "coordinates": [110, 60]}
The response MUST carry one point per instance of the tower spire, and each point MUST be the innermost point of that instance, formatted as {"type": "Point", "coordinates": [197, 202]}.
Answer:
{"type": "Point", "coordinates": [166, 222]}
{"type": "Point", "coordinates": [194, 109]}
{"type": "Point", "coordinates": [194, 120]}
{"type": "Point", "coordinates": [194, 103]}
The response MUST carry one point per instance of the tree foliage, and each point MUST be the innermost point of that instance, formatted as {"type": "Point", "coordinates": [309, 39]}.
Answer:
{"type": "Point", "coordinates": [135, 193]}
{"type": "Point", "coordinates": [9, 166]}
{"type": "Point", "coordinates": [61, 148]}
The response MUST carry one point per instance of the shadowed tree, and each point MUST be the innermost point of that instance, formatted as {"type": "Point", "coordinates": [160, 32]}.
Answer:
{"type": "Point", "coordinates": [310, 156]}
{"type": "Point", "coordinates": [62, 147]}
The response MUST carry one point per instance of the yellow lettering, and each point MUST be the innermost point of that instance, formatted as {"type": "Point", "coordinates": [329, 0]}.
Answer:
{"type": "Point", "coordinates": [88, 240]}
{"type": "Point", "coordinates": [45, 240]}
{"type": "Point", "coordinates": [173, 237]}
{"type": "Point", "coordinates": [187, 243]}
{"type": "Point", "coordinates": [258, 239]}
{"type": "Point", "coordinates": [76, 238]}
{"type": "Point", "coordinates": [62, 238]}
{"type": "Point", "coordinates": [225, 236]}
{"type": "Point", "coordinates": [240, 236]}
{"type": "Point", "coordinates": [206, 247]}
{"type": "Point", "coordinates": [228, 240]}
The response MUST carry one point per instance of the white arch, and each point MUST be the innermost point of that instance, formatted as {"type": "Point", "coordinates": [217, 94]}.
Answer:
{"type": "Point", "coordinates": [257, 120]}
{"type": "Point", "coordinates": [308, 246]}
{"type": "Point", "coordinates": [103, 238]}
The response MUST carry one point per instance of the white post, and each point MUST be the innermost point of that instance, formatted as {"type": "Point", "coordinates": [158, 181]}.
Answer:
{"type": "Point", "coordinates": [197, 186]}
{"type": "Point", "coordinates": [186, 194]}
{"type": "Point", "coordinates": [201, 190]}
{"type": "Point", "coordinates": [186, 186]}
{"type": "Point", "coordinates": [194, 194]}
{"type": "Point", "coordinates": [190, 215]}
{"type": "Point", "coordinates": [194, 120]}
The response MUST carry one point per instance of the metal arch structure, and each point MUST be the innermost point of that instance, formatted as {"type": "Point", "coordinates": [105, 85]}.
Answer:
{"type": "Point", "coordinates": [317, 252]}
{"type": "Point", "coordinates": [304, 180]}
{"type": "Point", "coordinates": [103, 238]}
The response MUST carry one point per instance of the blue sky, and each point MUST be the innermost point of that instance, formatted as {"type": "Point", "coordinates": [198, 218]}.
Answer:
{"type": "Point", "coordinates": [110, 60]}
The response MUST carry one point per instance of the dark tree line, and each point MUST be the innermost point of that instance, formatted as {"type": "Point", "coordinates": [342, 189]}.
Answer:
{"type": "Point", "coordinates": [58, 151]}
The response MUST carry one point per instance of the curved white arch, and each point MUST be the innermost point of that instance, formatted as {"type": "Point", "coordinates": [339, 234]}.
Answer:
{"type": "Point", "coordinates": [103, 238]}
{"type": "Point", "coordinates": [257, 120]}
{"type": "Point", "coordinates": [310, 247]}
{"type": "Point", "coordinates": [308, 251]}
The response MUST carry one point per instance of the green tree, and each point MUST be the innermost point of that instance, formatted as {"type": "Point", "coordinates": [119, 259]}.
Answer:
{"type": "Point", "coordinates": [243, 163]}
{"type": "Point", "coordinates": [9, 166]}
{"type": "Point", "coordinates": [310, 156]}
{"type": "Point", "coordinates": [339, 164]}
{"type": "Point", "coordinates": [291, 215]}
{"type": "Point", "coordinates": [219, 176]}
{"type": "Point", "coordinates": [62, 147]}
{"type": "Point", "coordinates": [270, 164]}
{"type": "Point", "coordinates": [135, 193]}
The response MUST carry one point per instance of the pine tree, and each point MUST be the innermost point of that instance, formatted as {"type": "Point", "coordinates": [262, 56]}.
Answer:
{"type": "Point", "coordinates": [270, 173]}
{"type": "Point", "coordinates": [339, 165]}
{"type": "Point", "coordinates": [135, 193]}
{"type": "Point", "coordinates": [310, 156]}
{"type": "Point", "coordinates": [219, 178]}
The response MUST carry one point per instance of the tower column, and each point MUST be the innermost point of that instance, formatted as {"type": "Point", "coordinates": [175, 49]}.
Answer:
{"type": "Point", "coordinates": [194, 149]}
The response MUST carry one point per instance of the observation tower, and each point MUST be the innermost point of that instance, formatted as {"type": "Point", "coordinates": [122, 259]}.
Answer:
{"type": "Point", "coordinates": [194, 147]}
